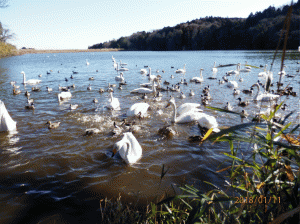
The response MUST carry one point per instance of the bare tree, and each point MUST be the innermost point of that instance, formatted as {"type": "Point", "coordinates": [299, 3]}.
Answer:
{"type": "Point", "coordinates": [5, 34]}
{"type": "Point", "coordinates": [3, 3]}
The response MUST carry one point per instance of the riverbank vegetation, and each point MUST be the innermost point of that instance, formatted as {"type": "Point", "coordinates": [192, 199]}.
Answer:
{"type": "Point", "coordinates": [259, 31]}
{"type": "Point", "coordinates": [7, 50]}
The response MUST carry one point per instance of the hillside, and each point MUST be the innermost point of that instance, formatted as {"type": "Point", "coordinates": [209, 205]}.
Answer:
{"type": "Point", "coordinates": [259, 31]}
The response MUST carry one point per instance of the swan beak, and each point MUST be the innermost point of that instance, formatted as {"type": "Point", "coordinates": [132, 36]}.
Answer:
{"type": "Point", "coordinates": [168, 105]}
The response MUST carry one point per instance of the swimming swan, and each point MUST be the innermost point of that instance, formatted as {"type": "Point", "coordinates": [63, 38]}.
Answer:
{"type": "Point", "coordinates": [264, 96]}
{"type": "Point", "coordinates": [203, 119]}
{"type": "Point", "coordinates": [113, 103]}
{"type": "Point", "coordinates": [121, 69]}
{"type": "Point", "coordinates": [145, 90]}
{"type": "Point", "coordinates": [214, 69]}
{"type": "Point", "coordinates": [129, 148]}
{"type": "Point", "coordinates": [232, 84]}
{"type": "Point", "coordinates": [64, 95]}
{"type": "Point", "coordinates": [6, 122]}
{"type": "Point", "coordinates": [182, 70]}
{"type": "Point", "coordinates": [264, 73]}
{"type": "Point", "coordinates": [143, 71]}
{"type": "Point", "coordinates": [120, 77]}
{"type": "Point", "coordinates": [138, 109]}
{"type": "Point", "coordinates": [30, 81]}
{"type": "Point", "coordinates": [283, 73]}
{"type": "Point", "coordinates": [198, 79]}
{"type": "Point", "coordinates": [234, 72]}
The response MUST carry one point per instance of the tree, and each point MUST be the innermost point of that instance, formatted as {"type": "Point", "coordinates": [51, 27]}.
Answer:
{"type": "Point", "coordinates": [5, 34]}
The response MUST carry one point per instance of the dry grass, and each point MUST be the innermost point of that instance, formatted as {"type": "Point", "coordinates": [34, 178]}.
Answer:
{"type": "Point", "coordinates": [34, 51]}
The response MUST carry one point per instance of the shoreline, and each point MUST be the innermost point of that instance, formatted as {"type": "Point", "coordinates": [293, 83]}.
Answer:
{"type": "Point", "coordinates": [34, 51]}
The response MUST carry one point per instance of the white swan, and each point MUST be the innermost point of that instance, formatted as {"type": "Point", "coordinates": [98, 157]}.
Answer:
{"type": "Point", "coordinates": [120, 77]}
{"type": "Point", "coordinates": [129, 148]}
{"type": "Point", "coordinates": [203, 119]}
{"type": "Point", "coordinates": [122, 63]}
{"type": "Point", "coordinates": [214, 69]}
{"type": "Point", "coordinates": [264, 96]}
{"type": "Point", "coordinates": [64, 95]}
{"type": "Point", "coordinates": [246, 68]}
{"type": "Point", "coordinates": [198, 79]}
{"type": "Point", "coordinates": [151, 77]}
{"type": "Point", "coordinates": [6, 122]}
{"type": "Point", "coordinates": [145, 90]}
{"type": "Point", "coordinates": [234, 72]}
{"type": "Point", "coordinates": [182, 70]}
{"type": "Point", "coordinates": [113, 103]}
{"type": "Point", "coordinates": [121, 69]}
{"type": "Point", "coordinates": [283, 73]}
{"type": "Point", "coordinates": [30, 81]}
{"type": "Point", "coordinates": [264, 73]}
{"type": "Point", "coordinates": [232, 84]}
{"type": "Point", "coordinates": [138, 109]}
{"type": "Point", "coordinates": [143, 71]}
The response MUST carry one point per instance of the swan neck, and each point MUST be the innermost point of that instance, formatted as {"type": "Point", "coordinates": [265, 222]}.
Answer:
{"type": "Point", "coordinates": [255, 98]}
{"type": "Point", "coordinates": [24, 78]}
{"type": "Point", "coordinates": [174, 112]}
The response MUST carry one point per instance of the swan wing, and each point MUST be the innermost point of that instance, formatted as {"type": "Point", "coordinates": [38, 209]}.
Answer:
{"type": "Point", "coordinates": [136, 108]}
{"type": "Point", "coordinates": [188, 117]}
{"type": "Point", "coordinates": [135, 149]}
{"type": "Point", "coordinates": [64, 95]}
{"type": "Point", "coordinates": [6, 122]}
{"type": "Point", "coordinates": [142, 90]}
{"type": "Point", "coordinates": [197, 79]}
{"type": "Point", "coordinates": [187, 107]}
{"type": "Point", "coordinates": [208, 121]}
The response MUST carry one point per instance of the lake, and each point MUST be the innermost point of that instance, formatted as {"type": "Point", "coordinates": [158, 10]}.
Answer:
{"type": "Point", "coordinates": [45, 171]}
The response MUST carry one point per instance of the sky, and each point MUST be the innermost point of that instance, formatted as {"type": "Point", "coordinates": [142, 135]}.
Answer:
{"type": "Point", "coordinates": [74, 24]}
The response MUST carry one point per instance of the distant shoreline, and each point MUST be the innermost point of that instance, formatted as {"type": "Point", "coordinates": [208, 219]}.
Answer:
{"type": "Point", "coordinates": [34, 51]}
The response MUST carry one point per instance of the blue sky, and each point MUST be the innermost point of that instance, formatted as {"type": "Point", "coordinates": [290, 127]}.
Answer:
{"type": "Point", "coordinates": [71, 24]}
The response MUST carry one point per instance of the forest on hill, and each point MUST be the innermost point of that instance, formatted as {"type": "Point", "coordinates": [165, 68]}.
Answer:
{"type": "Point", "coordinates": [259, 31]}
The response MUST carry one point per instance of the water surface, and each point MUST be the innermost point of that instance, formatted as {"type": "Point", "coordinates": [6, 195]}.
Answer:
{"type": "Point", "coordinates": [63, 171]}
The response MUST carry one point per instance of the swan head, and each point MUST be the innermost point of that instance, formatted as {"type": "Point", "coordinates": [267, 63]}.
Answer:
{"type": "Point", "coordinates": [171, 102]}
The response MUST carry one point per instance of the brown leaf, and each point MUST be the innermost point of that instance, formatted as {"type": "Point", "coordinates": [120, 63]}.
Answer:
{"type": "Point", "coordinates": [289, 173]}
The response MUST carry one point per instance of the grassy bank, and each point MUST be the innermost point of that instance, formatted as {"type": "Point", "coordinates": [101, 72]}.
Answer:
{"type": "Point", "coordinates": [34, 51]}
{"type": "Point", "coordinates": [7, 50]}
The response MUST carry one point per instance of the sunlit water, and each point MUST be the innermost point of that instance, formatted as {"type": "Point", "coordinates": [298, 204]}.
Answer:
{"type": "Point", "coordinates": [63, 171]}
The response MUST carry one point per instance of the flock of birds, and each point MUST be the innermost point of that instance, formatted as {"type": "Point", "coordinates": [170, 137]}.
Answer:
{"type": "Point", "coordinates": [128, 147]}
